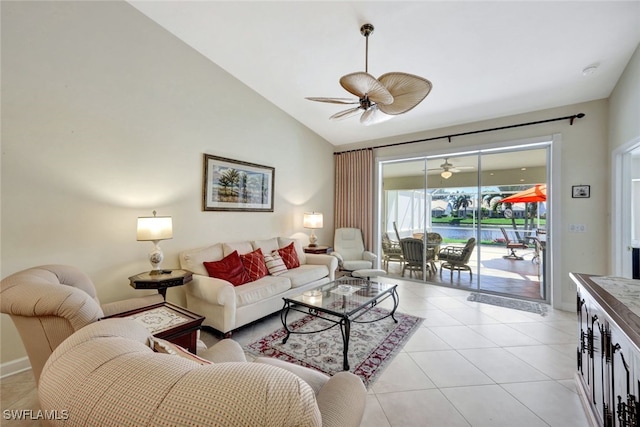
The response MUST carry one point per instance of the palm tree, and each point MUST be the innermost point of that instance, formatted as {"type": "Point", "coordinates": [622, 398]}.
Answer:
{"type": "Point", "coordinates": [463, 201]}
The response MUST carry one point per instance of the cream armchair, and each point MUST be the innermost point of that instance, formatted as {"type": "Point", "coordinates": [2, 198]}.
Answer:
{"type": "Point", "coordinates": [49, 303]}
{"type": "Point", "coordinates": [125, 383]}
{"type": "Point", "coordinates": [349, 248]}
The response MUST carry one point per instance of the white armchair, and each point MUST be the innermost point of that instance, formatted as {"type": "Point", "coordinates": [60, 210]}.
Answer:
{"type": "Point", "coordinates": [349, 248]}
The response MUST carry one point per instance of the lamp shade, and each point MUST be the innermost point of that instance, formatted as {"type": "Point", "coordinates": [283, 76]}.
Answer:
{"type": "Point", "coordinates": [446, 174]}
{"type": "Point", "coordinates": [155, 228]}
{"type": "Point", "coordinates": [312, 220]}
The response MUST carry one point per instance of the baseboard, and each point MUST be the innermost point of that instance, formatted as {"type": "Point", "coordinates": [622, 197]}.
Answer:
{"type": "Point", "coordinates": [586, 403]}
{"type": "Point", "coordinates": [14, 367]}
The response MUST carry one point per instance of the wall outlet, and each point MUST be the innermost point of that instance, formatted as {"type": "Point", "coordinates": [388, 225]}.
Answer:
{"type": "Point", "coordinates": [577, 228]}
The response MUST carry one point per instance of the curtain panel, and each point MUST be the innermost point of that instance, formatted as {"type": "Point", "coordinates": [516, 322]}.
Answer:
{"type": "Point", "coordinates": [354, 192]}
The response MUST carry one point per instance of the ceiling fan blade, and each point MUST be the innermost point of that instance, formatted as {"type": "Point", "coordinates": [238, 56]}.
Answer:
{"type": "Point", "coordinates": [361, 84]}
{"type": "Point", "coordinates": [345, 113]}
{"type": "Point", "coordinates": [373, 116]}
{"type": "Point", "coordinates": [335, 100]}
{"type": "Point", "coordinates": [407, 91]}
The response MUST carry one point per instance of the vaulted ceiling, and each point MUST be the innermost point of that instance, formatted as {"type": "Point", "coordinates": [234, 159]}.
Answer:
{"type": "Point", "coordinates": [485, 59]}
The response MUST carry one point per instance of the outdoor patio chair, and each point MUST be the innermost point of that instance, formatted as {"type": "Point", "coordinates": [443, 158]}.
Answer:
{"type": "Point", "coordinates": [433, 247]}
{"type": "Point", "coordinates": [457, 258]}
{"type": "Point", "coordinates": [395, 228]}
{"type": "Point", "coordinates": [512, 245]}
{"type": "Point", "coordinates": [392, 252]}
{"type": "Point", "coordinates": [413, 253]}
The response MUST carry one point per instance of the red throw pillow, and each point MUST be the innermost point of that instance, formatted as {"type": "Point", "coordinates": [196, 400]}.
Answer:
{"type": "Point", "coordinates": [289, 256]}
{"type": "Point", "coordinates": [229, 268]}
{"type": "Point", "coordinates": [254, 264]}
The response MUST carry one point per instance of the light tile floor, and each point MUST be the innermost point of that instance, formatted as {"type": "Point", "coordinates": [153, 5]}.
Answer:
{"type": "Point", "coordinates": [469, 364]}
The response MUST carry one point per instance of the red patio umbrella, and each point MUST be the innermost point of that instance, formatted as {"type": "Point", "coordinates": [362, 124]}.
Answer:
{"type": "Point", "coordinates": [531, 195]}
{"type": "Point", "coordinates": [535, 194]}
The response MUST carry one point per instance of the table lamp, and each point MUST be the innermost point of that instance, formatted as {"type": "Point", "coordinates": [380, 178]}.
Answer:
{"type": "Point", "coordinates": [312, 220]}
{"type": "Point", "coordinates": [155, 228]}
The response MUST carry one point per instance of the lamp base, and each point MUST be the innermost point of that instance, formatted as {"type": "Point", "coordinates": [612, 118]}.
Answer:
{"type": "Point", "coordinates": [313, 240]}
{"type": "Point", "coordinates": [155, 258]}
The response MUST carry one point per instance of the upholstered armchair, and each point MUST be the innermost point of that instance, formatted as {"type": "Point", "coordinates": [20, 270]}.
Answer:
{"type": "Point", "coordinates": [391, 251]}
{"type": "Point", "coordinates": [49, 303]}
{"type": "Point", "coordinates": [125, 383]}
{"type": "Point", "coordinates": [349, 248]}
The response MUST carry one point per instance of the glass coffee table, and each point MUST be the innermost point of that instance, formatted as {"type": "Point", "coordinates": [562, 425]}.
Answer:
{"type": "Point", "coordinates": [341, 303]}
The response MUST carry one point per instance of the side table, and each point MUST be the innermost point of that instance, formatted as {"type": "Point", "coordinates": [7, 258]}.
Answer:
{"type": "Point", "coordinates": [170, 322]}
{"type": "Point", "coordinates": [160, 281]}
{"type": "Point", "coordinates": [316, 249]}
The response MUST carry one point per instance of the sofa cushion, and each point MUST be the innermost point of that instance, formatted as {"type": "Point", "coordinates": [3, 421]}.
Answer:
{"type": "Point", "coordinates": [289, 256]}
{"type": "Point", "coordinates": [283, 241]}
{"type": "Point", "coordinates": [229, 268]}
{"type": "Point", "coordinates": [261, 289]}
{"type": "Point", "coordinates": [254, 264]}
{"type": "Point", "coordinates": [267, 246]}
{"type": "Point", "coordinates": [241, 247]}
{"type": "Point", "coordinates": [193, 259]}
{"type": "Point", "coordinates": [275, 264]}
{"type": "Point", "coordinates": [306, 273]}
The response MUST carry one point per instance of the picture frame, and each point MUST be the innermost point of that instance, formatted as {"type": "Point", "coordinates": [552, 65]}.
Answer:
{"type": "Point", "coordinates": [233, 185]}
{"type": "Point", "coordinates": [580, 191]}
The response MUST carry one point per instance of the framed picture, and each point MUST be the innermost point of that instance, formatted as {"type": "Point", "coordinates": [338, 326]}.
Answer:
{"type": "Point", "coordinates": [581, 191]}
{"type": "Point", "coordinates": [232, 185]}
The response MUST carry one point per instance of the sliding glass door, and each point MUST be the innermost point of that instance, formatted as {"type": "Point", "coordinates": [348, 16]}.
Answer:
{"type": "Point", "coordinates": [448, 220]}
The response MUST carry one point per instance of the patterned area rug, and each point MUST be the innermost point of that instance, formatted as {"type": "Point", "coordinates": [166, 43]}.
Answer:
{"type": "Point", "coordinates": [515, 304]}
{"type": "Point", "coordinates": [371, 345]}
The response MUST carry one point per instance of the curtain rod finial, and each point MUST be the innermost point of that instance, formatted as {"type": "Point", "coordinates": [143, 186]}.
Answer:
{"type": "Point", "coordinates": [579, 116]}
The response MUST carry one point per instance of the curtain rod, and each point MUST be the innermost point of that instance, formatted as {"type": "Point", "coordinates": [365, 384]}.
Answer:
{"type": "Point", "coordinates": [570, 118]}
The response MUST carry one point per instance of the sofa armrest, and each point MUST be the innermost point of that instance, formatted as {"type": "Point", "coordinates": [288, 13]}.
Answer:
{"type": "Point", "coordinates": [339, 258]}
{"type": "Point", "coordinates": [211, 290]}
{"type": "Point", "coordinates": [369, 256]}
{"type": "Point", "coordinates": [320, 259]}
{"type": "Point", "coordinates": [342, 400]}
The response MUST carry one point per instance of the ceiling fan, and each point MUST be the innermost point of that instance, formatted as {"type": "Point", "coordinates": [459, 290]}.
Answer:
{"type": "Point", "coordinates": [448, 169]}
{"type": "Point", "coordinates": [389, 95]}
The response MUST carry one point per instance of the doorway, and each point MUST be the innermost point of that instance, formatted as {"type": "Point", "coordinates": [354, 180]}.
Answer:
{"type": "Point", "coordinates": [444, 201]}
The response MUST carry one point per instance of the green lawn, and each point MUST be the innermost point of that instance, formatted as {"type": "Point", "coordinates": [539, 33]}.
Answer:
{"type": "Point", "coordinates": [485, 221]}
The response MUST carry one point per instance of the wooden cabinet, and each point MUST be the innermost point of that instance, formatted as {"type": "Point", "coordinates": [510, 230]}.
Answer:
{"type": "Point", "coordinates": [608, 351]}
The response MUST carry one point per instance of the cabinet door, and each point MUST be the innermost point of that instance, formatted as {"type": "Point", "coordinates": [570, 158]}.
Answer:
{"type": "Point", "coordinates": [623, 395]}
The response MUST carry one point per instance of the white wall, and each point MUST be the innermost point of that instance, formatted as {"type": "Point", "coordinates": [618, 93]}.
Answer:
{"type": "Point", "coordinates": [624, 105]}
{"type": "Point", "coordinates": [105, 117]}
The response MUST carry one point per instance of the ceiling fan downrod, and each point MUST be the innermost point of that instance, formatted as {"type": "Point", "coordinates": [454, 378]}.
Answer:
{"type": "Point", "coordinates": [366, 30]}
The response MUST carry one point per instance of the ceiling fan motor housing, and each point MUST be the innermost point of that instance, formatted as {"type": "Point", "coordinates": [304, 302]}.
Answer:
{"type": "Point", "coordinates": [366, 30]}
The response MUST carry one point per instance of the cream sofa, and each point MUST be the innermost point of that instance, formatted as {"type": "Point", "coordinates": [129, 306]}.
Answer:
{"type": "Point", "coordinates": [106, 374]}
{"type": "Point", "coordinates": [227, 307]}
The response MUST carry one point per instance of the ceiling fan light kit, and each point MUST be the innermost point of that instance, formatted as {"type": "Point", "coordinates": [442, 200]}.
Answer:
{"type": "Point", "coordinates": [389, 95]}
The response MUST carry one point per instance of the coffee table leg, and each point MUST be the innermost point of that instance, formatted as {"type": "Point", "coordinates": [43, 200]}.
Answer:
{"type": "Point", "coordinates": [396, 301]}
{"type": "Point", "coordinates": [283, 318]}
{"type": "Point", "coordinates": [345, 328]}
